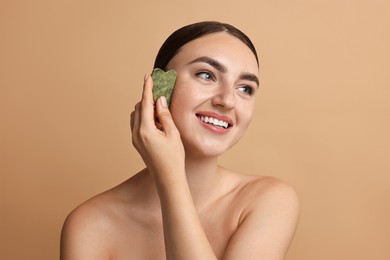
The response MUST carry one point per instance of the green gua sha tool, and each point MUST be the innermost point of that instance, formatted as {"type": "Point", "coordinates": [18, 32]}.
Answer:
{"type": "Point", "coordinates": [163, 83]}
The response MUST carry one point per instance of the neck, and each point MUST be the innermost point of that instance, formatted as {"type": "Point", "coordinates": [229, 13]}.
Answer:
{"type": "Point", "coordinates": [202, 177]}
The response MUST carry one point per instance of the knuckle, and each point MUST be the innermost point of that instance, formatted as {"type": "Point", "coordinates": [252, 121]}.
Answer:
{"type": "Point", "coordinates": [164, 114]}
{"type": "Point", "coordinates": [143, 135]}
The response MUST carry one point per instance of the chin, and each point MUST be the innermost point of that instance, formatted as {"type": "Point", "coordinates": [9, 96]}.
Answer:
{"type": "Point", "coordinates": [207, 150]}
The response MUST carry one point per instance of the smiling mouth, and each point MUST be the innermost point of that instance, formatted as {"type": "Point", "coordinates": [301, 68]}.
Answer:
{"type": "Point", "coordinates": [213, 121]}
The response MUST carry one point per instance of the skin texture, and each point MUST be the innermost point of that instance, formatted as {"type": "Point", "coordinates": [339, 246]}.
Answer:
{"type": "Point", "coordinates": [184, 205]}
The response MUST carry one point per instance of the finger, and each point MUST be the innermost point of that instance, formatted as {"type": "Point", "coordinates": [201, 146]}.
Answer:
{"type": "Point", "coordinates": [158, 126]}
{"type": "Point", "coordinates": [164, 116]}
{"type": "Point", "coordinates": [132, 120]}
{"type": "Point", "coordinates": [147, 110]}
{"type": "Point", "coordinates": [135, 118]}
{"type": "Point", "coordinates": [136, 114]}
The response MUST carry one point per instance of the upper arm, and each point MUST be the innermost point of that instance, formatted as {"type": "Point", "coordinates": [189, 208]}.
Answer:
{"type": "Point", "coordinates": [268, 226]}
{"type": "Point", "coordinates": [81, 236]}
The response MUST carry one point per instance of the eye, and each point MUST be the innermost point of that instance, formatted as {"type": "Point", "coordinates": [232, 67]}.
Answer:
{"type": "Point", "coordinates": [206, 75]}
{"type": "Point", "coordinates": [247, 90]}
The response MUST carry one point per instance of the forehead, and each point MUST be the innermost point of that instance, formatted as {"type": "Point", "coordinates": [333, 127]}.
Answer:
{"type": "Point", "coordinates": [221, 46]}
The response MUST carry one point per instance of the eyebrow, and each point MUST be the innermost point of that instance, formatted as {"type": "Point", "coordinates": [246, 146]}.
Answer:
{"type": "Point", "coordinates": [250, 77]}
{"type": "Point", "coordinates": [222, 68]}
{"type": "Point", "coordinates": [212, 62]}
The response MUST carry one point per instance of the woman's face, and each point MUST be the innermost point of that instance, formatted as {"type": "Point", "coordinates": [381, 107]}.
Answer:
{"type": "Point", "coordinates": [214, 95]}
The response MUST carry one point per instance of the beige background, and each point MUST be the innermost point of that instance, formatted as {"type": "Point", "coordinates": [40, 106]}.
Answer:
{"type": "Point", "coordinates": [71, 72]}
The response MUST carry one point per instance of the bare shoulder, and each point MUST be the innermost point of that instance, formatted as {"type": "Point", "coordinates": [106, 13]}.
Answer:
{"type": "Point", "coordinates": [269, 191]}
{"type": "Point", "coordinates": [267, 196]}
{"type": "Point", "coordinates": [95, 211]}
{"type": "Point", "coordinates": [86, 230]}
{"type": "Point", "coordinates": [269, 216]}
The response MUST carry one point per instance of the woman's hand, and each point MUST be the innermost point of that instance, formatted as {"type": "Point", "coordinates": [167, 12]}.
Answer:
{"type": "Point", "coordinates": [157, 141]}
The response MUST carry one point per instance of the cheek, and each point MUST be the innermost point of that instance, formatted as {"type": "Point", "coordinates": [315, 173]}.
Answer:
{"type": "Point", "coordinates": [184, 94]}
{"type": "Point", "coordinates": [247, 115]}
{"type": "Point", "coordinates": [178, 91]}
{"type": "Point", "coordinates": [180, 101]}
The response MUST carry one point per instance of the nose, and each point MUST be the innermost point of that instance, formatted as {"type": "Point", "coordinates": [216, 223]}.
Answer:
{"type": "Point", "coordinates": [224, 98]}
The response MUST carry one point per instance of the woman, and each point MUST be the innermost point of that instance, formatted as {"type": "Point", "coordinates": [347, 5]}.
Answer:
{"type": "Point", "coordinates": [184, 205]}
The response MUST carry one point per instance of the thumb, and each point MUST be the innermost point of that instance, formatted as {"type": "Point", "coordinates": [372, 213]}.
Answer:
{"type": "Point", "coordinates": [164, 115]}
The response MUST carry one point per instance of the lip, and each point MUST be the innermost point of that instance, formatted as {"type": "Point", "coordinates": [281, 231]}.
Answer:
{"type": "Point", "coordinates": [213, 128]}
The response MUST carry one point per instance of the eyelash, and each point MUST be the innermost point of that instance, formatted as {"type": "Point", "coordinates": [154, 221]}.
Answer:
{"type": "Point", "coordinates": [207, 75]}
{"type": "Point", "coordinates": [248, 90]}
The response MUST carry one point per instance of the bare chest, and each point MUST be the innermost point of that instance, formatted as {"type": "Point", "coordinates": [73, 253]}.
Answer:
{"type": "Point", "coordinates": [143, 238]}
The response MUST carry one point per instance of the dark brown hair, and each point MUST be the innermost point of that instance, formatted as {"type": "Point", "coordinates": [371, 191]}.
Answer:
{"type": "Point", "coordinates": [180, 37]}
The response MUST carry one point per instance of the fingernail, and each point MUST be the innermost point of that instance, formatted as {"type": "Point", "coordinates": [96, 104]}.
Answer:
{"type": "Point", "coordinates": [163, 101]}
{"type": "Point", "coordinates": [146, 77]}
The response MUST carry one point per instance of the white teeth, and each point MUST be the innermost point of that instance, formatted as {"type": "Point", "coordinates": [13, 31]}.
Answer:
{"type": "Point", "coordinates": [213, 121]}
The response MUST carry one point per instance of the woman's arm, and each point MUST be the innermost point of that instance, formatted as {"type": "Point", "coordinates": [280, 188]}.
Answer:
{"type": "Point", "coordinates": [183, 233]}
{"type": "Point", "coordinates": [163, 154]}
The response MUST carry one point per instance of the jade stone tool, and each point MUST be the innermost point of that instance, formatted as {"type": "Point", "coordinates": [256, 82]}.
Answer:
{"type": "Point", "coordinates": [163, 84]}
